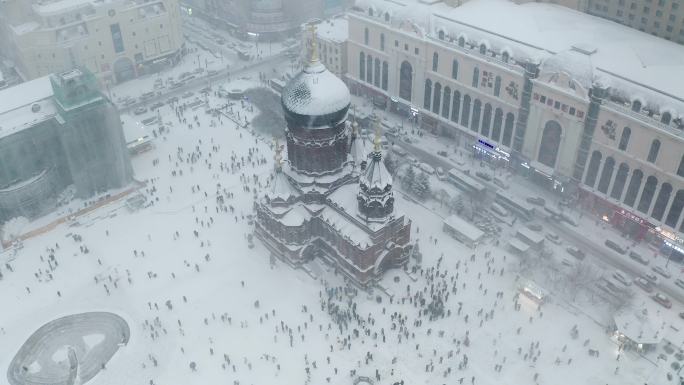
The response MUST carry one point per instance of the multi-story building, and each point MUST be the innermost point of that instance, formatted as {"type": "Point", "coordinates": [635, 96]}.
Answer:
{"type": "Point", "coordinates": [58, 131]}
{"type": "Point", "coordinates": [599, 119]}
{"type": "Point", "coordinates": [664, 18]}
{"type": "Point", "coordinates": [116, 40]}
{"type": "Point", "coordinates": [265, 19]}
{"type": "Point", "coordinates": [332, 35]}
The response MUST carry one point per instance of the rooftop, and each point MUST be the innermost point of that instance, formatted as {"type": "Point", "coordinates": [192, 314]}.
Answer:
{"type": "Point", "coordinates": [621, 57]}
{"type": "Point", "coordinates": [336, 29]}
{"type": "Point", "coordinates": [25, 105]}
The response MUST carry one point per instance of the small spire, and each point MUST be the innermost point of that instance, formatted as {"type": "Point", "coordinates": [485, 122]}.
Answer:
{"type": "Point", "coordinates": [314, 43]}
{"type": "Point", "coordinates": [278, 155]}
{"type": "Point", "coordinates": [378, 133]}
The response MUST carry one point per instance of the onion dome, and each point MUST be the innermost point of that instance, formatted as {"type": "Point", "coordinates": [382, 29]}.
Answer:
{"type": "Point", "coordinates": [315, 97]}
{"type": "Point", "coordinates": [375, 198]}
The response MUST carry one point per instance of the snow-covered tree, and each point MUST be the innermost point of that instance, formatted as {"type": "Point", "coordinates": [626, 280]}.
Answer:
{"type": "Point", "coordinates": [390, 162]}
{"type": "Point", "coordinates": [409, 178]}
{"type": "Point", "coordinates": [421, 186]}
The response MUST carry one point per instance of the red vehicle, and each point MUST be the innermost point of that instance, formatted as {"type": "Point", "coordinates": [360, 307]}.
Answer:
{"type": "Point", "coordinates": [663, 300]}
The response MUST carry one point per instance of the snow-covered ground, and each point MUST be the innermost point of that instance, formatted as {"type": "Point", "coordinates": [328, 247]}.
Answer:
{"type": "Point", "coordinates": [246, 319]}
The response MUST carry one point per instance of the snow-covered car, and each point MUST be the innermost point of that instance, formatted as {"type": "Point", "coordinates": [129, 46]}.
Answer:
{"type": "Point", "coordinates": [500, 183]}
{"type": "Point", "coordinates": [441, 175]}
{"type": "Point", "coordinates": [661, 271]}
{"type": "Point", "coordinates": [638, 257]}
{"type": "Point", "coordinates": [483, 176]}
{"type": "Point", "coordinates": [651, 277]}
{"type": "Point", "coordinates": [140, 110]}
{"type": "Point", "coordinates": [211, 72]}
{"type": "Point", "coordinates": [615, 247]}
{"type": "Point", "coordinates": [663, 300]}
{"type": "Point", "coordinates": [679, 282]}
{"type": "Point", "coordinates": [442, 153]}
{"type": "Point", "coordinates": [536, 201]}
{"type": "Point", "coordinates": [644, 284]}
{"type": "Point", "coordinates": [554, 238]}
{"type": "Point", "coordinates": [534, 227]}
{"type": "Point", "coordinates": [621, 277]}
{"type": "Point", "coordinates": [187, 94]}
{"type": "Point", "coordinates": [156, 105]}
{"type": "Point", "coordinates": [426, 168]}
{"type": "Point", "coordinates": [576, 252]}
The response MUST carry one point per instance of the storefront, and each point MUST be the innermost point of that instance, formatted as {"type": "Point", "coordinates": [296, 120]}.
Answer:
{"type": "Point", "coordinates": [490, 153]}
{"type": "Point", "coordinates": [624, 220]}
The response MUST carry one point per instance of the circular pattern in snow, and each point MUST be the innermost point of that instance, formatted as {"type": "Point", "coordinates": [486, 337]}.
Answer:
{"type": "Point", "coordinates": [91, 339]}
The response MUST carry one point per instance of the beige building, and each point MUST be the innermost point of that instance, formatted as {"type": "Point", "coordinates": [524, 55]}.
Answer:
{"type": "Point", "coordinates": [530, 86]}
{"type": "Point", "coordinates": [117, 40]}
{"type": "Point", "coordinates": [332, 35]}
{"type": "Point", "coordinates": [664, 18]}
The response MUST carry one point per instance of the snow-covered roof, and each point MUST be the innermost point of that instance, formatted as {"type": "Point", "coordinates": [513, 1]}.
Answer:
{"type": "Point", "coordinates": [25, 105]}
{"type": "Point", "coordinates": [336, 29]}
{"type": "Point", "coordinates": [315, 91]}
{"type": "Point", "coordinates": [280, 187]}
{"type": "Point", "coordinates": [620, 56]}
{"type": "Point", "coordinates": [359, 148]}
{"type": "Point", "coordinates": [376, 174]}
{"type": "Point", "coordinates": [468, 230]}
{"type": "Point", "coordinates": [637, 327]}
{"type": "Point", "coordinates": [55, 7]}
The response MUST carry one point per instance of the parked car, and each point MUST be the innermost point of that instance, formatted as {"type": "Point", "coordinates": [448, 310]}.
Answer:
{"type": "Point", "coordinates": [651, 278]}
{"type": "Point", "coordinates": [638, 257]}
{"type": "Point", "coordinates": [622, 278]}
{"type": "Point", "coordinates": [554, 238]}
{"type": "Point", "coordinates": [500, 183]}
{"type": "Point", "coordinates": [663, 300]}
{"type": "Point", "coordinates": [140, 110]}
{"type": "Point", "coordinates": [187, 94]}
{"type": "Point", "coordinates": [212, 72]}
{"type": "Point", "coordinates": [442, 153]}
{"type": "Point", "coordinates": [156, 105]}
{"type": "Point", "coordinates": [679, 283]}
{"type": "Point", "coordinates": [535, 227]}
{"type": "Point", "coordinates": [567, 262]}
{"type": "Point", "coordinates": [426, 168]}
{"type": "Point", "coordinates": [483, 176]}
{"type": "Point", "coordinates": [644, 284]}
{"type": "Point", "coordinates": [441, 175]}
{"type": "Point", "coordinates": [576, 252]}
{"type": "Point", "coordinates": [536, 201]}
{"type": "Point", "coordinates": [615, 247]}
{"type": "Point", "coordinates": [661, 271]}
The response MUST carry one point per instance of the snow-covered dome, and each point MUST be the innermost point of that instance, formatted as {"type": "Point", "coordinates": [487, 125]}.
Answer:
{"type": "Point", "coordinates": [316, 92]}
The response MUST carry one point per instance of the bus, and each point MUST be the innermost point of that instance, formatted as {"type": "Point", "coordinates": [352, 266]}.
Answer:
{"type": "Point", "coordinates": [516, 205]}
{"type": "Point", "coordinates": [464, 182]}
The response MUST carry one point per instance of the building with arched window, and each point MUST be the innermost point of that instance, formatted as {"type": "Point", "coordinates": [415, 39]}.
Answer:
{"type": "Point", "coordinates": [616, 146]}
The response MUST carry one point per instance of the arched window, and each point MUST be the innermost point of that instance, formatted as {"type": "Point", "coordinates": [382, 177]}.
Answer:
{"type": "Point", "coordinates": [550, 143]}
{"type": "Point", "coordinates": [505, 57]}
{"type": "Point", "coordinates": [606, 174]}
{"type": "Point", "coordinates": [435, 61]}
{"type": "Point", "coordinates": [661, 201]}
{"type": "Point", "coordinates": [362, 66]}
{"type": "Point", "coordinates": [382, 42]}
{"type": "Point", "coordinates": [497, 86]}
{"type": "Point", "coordinates": [508, 129]}
{"type": "Point", "coordinates": [680, 169]}
{"type": "Point", "coordinates": [647, 194]}
{"type": "Point", "coordinates": [436, 99]}
{"type": "Point", "coordinates": [455, 106]}
{"type": "Point", "coordinates": [653, 152]}
{"type": "Point", "coordinates": [465, 111]}
{"type": "Point", "coordinates": [370, 11]}
{"type": "Point", "coordinates": [475, 121]}
{"type": "Point", "coordinates": [366, 37]}
{"type": "Point", "coordinates": [385, 74]}
{"type": "Point", "coordinates": [624, 138]}
{"type": "Point", "coordinates": [666, 118]}
{"type": "Point", "coordinates": [427, 99]}
{"type": "Point", "coordinates": [486, 119]}
{"type": "Point", "coordinates": [620, 179]}
{"type": "Point", "coordinates": [461, 41]}
{"type": "Point", "coordinates": [405, 80]}
{"type": "Point", "coordinates": [633, 188]}
{"type": "Point", "coordinates": [636, 106]}
{"type": "Point", "coordinates": [369, 69]}
{"type": "Point", "coordinates": [476, 77]}
{"type": "Point", "coordinates": [675, 210]}
{"type": "Point", "coordinates": [498, 120]}
{"type": "Point", "coordinates": [483, 49]}
{"type": "Point", "coordinates": [440, 34]}
{"type": "Point", "coordinates": [592, 170]}
{"type": "Point", "coordinates": [446, 102]}
{"type": "Point", "coordinates": [454, 69]}
{"type": "Point", "coordinates": [376, 76]}
{"type": "Point", "coordinates": [387, 17]}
